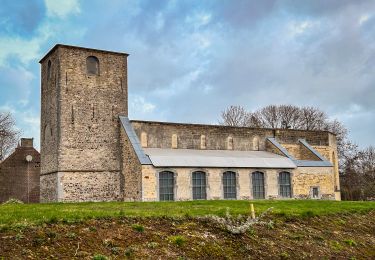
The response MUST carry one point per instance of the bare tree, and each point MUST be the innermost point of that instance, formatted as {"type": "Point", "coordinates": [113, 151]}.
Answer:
{"type": "Point", "coordinates": [234, 116]}
{"type": "Point", "coordinates": [8, 134]}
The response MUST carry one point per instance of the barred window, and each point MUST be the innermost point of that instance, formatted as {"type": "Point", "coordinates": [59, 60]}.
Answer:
{"type": "Point", "coordinates": [229, 184]}
{"type": "Point", "coordinates": [166, 186]}
{"type": "Point", "coordinates": [92, 65]}
{"type": "Point", "coordinates": [258, 185]}
{"type": "Point", "coordinates": [199, 185]}
{"type": "Point", "coordinates": [285, 190]}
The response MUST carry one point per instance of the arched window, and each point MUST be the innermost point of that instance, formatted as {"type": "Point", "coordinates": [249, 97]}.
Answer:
{"type": "Point", "coordinates": [229, 185]}
{"type": "Point", "coordinates": [92, 65]}
{"type": "Point", "coordinates": [285, 189]}
{"type": "Point", "coordinates": [49, 70]}
{"type": "Point", "coordinates": [199, 185]}
{"type": "Point", "coordinates": [257, 179]}
{"type": "Point", "coordinates": [166, 186]}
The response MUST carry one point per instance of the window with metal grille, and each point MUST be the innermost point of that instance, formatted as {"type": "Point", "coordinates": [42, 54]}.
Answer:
{"type": "Point", "coordinates": [285, 190]}
{"type": "Point", "coordinates": [199, 185]}
{"type": "Point", "coordinates": [258, 185]}
{"type": "Point", "coordinates": [166, 186]}
{"type": "Point", "coordinates": [229, 184]}
{"type": "Point", "coordinates": [92, 64]}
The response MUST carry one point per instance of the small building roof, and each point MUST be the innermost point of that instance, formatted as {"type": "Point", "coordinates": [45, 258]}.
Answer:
{"type": "Point", "coordinates": [216, 158]}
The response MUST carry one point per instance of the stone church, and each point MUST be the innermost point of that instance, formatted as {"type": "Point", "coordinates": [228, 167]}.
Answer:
{"type": "Point", "coordinates": [91, 151]}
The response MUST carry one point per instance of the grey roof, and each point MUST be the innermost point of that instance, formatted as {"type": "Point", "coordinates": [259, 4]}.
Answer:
{"type": "Point", "coordinates": [143, 159]}
{"type": "Point", "coordinates": [216, 158]}
{"type": "Point", "coordinates": [303, 163]}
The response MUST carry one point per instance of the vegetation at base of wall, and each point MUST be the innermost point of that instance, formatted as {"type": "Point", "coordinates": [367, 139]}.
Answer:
{"type": "Point", "coordinates": [24, 215]}
{"type": "Point", "coordinates": [321, 237]}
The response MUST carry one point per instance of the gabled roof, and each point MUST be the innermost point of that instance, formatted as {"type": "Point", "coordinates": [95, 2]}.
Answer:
{"type": "Point", "coordinates": [302, 163]}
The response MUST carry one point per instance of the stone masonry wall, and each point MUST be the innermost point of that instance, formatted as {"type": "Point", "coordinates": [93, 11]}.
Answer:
{"type": "Point", "coordinates": [307, 177]}
{"type": "Point", "coordinates": [84, 116]}
{"type": "Point", "coordinates": [49, 188]}
{"type": "Point", "coordinates": [302, 181]}
{"type": "Point", "coordinates": [131, 171]}
{"type": "Point", "coordinates": [159, 135]}
{"type": "Point", "coordinates": [90, 186]}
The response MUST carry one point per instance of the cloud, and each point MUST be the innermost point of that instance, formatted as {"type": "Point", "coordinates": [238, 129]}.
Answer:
{"type": "Point", "coordinates": [21, 18]}
{"type": "Point", "coordinates": [62, 8]}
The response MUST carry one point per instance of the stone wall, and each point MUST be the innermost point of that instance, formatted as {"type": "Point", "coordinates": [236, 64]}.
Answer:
{"type": "Point", "coordinates": [307, 177]}
{"type": "Point", "coordinates": [81, 111]}
{"type": "Point", "coordinates": [49, 186]}
{"type": "Point", "coordinates": [302, 181]}
{"type": "Point", "coordinates": [90, 186]}
{"type": "Point", "coordinates": [159, 135]}
{"type": "Point", "coordinates": [131, 171]}
{"type": "Point", "coordinates": [19, 179]}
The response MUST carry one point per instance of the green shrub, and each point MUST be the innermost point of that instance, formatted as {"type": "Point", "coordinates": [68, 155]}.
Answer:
{"type": "Point", "coordinates": [138, 228]}
{"type": "Point", "coordinates": [99, 257]}
{"type": "Point", "coordinates": [177, 240]}
{"type": "Point", "coordinates": [350, 242]}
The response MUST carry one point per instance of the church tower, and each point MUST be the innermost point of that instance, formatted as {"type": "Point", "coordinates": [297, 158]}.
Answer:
{"type": "Point", "coordinates": [83, 92]}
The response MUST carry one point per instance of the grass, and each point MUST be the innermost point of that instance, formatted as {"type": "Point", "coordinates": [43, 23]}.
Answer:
{"type": "Point", "coordinates": [23, 215]}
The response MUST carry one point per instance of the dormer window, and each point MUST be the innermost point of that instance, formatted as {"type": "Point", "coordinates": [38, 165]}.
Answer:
{"type": "Point", "coordinates": [92, 66]}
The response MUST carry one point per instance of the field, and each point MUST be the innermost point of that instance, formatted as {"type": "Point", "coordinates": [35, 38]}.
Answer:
{"type": "Point", "coordinates": [294, 229]}
{"type": "Point", "coordinates": [15, 214]}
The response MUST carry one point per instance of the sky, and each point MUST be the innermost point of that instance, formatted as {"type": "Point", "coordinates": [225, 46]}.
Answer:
{"type": "Point", "coordinates": [189, 60]}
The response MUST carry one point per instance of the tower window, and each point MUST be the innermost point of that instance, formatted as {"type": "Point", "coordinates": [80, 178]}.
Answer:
{"type": "Point", "coordinates": [49, 70]}
{"type": "Point", "coordinates": [92, 65]}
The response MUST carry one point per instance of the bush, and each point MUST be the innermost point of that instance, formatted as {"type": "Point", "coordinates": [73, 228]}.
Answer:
{"type": "Point", "coordinates": [99, 257]}
{"type": "Point", "coordinates": [138, 228]}
{"type": "Point", "coordinates": [177, 240]}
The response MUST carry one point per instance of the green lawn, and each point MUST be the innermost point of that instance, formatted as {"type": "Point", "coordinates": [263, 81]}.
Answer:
{"type": "Point", "coordinates": [27, 214]}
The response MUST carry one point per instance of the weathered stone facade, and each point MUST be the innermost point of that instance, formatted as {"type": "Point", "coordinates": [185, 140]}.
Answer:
{"type": "Point", "coordinates": [88, 154]}
{"type": "Point", "coordinates": [80, 132]}
{"type": "Point", "coordinates": [19, 174]}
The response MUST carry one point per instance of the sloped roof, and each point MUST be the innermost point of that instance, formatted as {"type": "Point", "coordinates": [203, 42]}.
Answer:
{"type": "Point", "coordinates": [216, 158]}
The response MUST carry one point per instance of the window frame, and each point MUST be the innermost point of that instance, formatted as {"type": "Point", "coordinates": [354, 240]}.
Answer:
{"type": "Point", "coordinates": [285, 187]}
{"type": "Point", "coordinates": [262, 188]}
{"type": "Point", "coordinates": [90, 60]}
{"type": "Point", "coordinates": [201, 186]}
{"type": "Point", "coordinates": [232, 185]}
{"type": "Point", "coordinates": [170, 195]}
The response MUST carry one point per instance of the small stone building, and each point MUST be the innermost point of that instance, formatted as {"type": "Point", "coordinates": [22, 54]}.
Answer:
{"type": "Point", "coordinates": [91, 151]}
{"type": "Point", "coordinates": [20, 174]}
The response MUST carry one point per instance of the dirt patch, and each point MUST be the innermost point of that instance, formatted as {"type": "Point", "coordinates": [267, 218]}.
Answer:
{"type": "Point", "coordinates": [339, 237]}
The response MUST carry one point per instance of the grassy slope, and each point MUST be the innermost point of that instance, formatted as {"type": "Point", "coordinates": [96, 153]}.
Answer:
{"type": "Point", "coordinates": [22, 214]}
